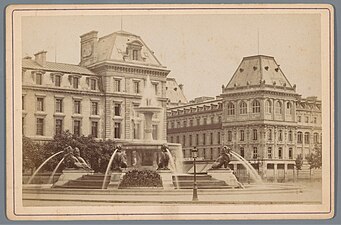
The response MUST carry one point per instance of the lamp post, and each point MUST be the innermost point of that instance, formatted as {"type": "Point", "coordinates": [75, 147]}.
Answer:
{"type": "Point", "coordinates": [195, 187]}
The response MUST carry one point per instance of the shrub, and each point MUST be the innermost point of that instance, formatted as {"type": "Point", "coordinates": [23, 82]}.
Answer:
{"type": "Point", "coordinates": [141, 178]}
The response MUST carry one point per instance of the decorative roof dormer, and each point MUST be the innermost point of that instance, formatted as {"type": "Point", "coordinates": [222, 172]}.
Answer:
{"type": "Point", "coordinates": [133, 51]}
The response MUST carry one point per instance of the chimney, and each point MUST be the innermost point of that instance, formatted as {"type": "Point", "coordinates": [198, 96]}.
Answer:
{"type": "Point", "coordinates": [40, 58]}
{"type": "Point", "coordinates": [181, 86]}
{"type": "Point", "coordinates": [88, 47]}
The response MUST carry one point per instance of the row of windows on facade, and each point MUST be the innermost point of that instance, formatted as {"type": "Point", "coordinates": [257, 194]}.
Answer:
{"type": "Point", "coordinates": [74, 81]}
{"type": "Point", "coordinates": [270, 153]}
{"type": "Point", "coordinates": [255, 107]}
{"type": "Point", "coordinates": [195, 109]}
{"type": "Point", "coordinates": [190, 123]}
{"type": "Point", "coordinates": [196, 142]}
{"type": "Point", "coordinates": [77, 127]}
{"type": "Point", "coordinates": [280, 136]}
{"type": "Point", "coordinates": [77, 109]}
{"type": "Point", "coordinates": [208, 153]}
{"type": "Point", "coordinates": [314, 120]}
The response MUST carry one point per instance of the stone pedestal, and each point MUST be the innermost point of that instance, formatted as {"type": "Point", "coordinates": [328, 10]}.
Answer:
{"type": "Point", "coordinates": [167, 180]}
{"type": "Point", "coordinates": [225, 175]}
{"type": "Point", "coordinates": [71, 174]}
{"type": "Point", "coordinates": [115, 179]}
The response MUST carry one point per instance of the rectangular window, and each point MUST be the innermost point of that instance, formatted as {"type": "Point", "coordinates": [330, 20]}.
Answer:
{"type": "Point", "coordinates": [242, 153]}
{"type": "Point", "coordinates": [255, 153]}
{"type": "Point", "coordinates": [57, 80]}
{"type": "Point", "coordinates": [117, 109]}
{"type": "Point", "coordinates": [205, 121]}
{"type": "Point", "coordinates": [117, 130]}
{"type": "Point", "coordinates": [40, 104]}
{"type": "Point", "coordinates": [94, 108]}
{"type": "Point", "coordinates": [117, 85]}
{"type": "Point", "coordinates": [198, 122]}
{"type": "Point", "coordinates": [185, 123]}
{"type": "Point", "coordinates": [59, 126]}
{"type": "Point", "coordinates": [280, 152]}
{"type": "Point", "coordinates": [171, 139]}
{"type": "Point", "coordinates": [269, 152]}
{"type": "Point", "coordinates": [211, 138]}
{"type": "Point", "coordinates": [299, 137]}
{"type": "Point", "coordinates": [255, 134]}
{"type": "Point", "coordinates": [306, 138]}
{"type": "Point", "coordinates": [190, 140]}
{"type": "Point", "coordinates": [177, 139]}
{"type": "Point", "coordinates": [136, 127]}
{"type": "Point", "coordinates": [307, 119]}
{"type": "Point", "coordinates": [77, 127]}
{"type": "Point", "coordinates": [155, 88]}
{"type": "Point", "coordinates": [218, 138]}
{"type": "Point", "coordinates": [40, 126]}
{"type": "Point", "coordinates": [59, 105]}
{"type": "Point", "coordinates": [299, 118]}
{"type": "Point", "coordinates": [94, 129]}
{"type": "Point", "coordinates": [191, 123]}
{"type": "Point", "coordinates": [315, 120]}
{"type": "Point", "coordinates": [241, 135]}
{"type": "Point", "coordinates": [39, 79]}
{"type": "Point", "coordinates": [136, 87]}
{"type": "Point", "coordinates": [23, 102]}
{"type": "Point", "coordinates": [229, 135]}
{"type": "Point", "coordinates": [197, 139]}
{"type": "Point", "coordinates": [290, 153]}
{"type": "Point", "coordinates": [93, 84]}
{"type": "Point", "coordinates": [75, 82]}
{"type": "Point", "coordinates": [280, 135]}
{"type": "Point", "coordinates": [204, 139]}
{"type": "Point", "coordinates": [184, 140]}
{"type": "Point", "coordinates": [77, 107]}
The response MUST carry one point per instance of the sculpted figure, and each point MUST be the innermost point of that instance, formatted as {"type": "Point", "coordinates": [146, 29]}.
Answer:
{"type": "Point", "coordinates": [223, 159]}
{"type": "Point", "coordinates": [73, 159]}
{"type": "Point", "coordinates": [164, 159]}
{"type": "Point", "coordinates": [120, 159]}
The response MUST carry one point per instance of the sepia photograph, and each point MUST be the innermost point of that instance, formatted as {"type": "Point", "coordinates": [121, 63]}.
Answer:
{"type": "Point", "coordinates": [170, 112]}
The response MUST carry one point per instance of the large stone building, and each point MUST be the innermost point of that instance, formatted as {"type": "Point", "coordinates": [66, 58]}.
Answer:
{"type": "Point", "coordinates": [258, 114]}
{"type": "Point", "coordinates": [97, 97]}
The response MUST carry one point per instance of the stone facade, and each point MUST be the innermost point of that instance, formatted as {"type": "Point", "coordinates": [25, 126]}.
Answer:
{"type": "Point", "coordinates": [98, 96]}
{"type": "Point", "coordinates": [259, 115]}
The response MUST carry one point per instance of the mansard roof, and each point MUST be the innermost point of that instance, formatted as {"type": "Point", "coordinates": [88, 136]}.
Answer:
{"type": "Point", "coordinates": [114, 47]}
{"type": "Point", "coordinates": [29, 63]}
{"type": "Point", "coordinates": [256, 69]}
{"type": "Point", "coordinates": [174, 92]}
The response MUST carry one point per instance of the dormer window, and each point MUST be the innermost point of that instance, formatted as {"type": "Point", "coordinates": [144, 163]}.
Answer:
{"type": "Point", "coordinates": [39, 79]}
{"type": "Point", "coordinates": [93, 84]}
{"type": "Point", "coordinates": [57, 80]}
{"type": "Point", "coordinates": [135, 55]}
{"type": "Point", "coordinates": [75, 82]}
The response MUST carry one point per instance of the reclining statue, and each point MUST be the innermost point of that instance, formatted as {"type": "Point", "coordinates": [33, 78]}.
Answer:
{"type": "Point", "coordinates": [120, 159]}
{"type": "Point", "coordinates": [73, 159]}
{"type": "Point", "coordinates": [164, 159]}
{"type": "Point", "coordinates": [224, 158]}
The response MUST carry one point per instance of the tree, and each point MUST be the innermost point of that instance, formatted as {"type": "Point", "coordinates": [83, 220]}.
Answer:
{"type": "Point", "coordinates": [299, 163]}
{"type": "Point", "coordinates": [30, 152]}
{"type": "Point", "coordinates": [96, 153]}
{"type": "Point", "coordinates": [315, 157]}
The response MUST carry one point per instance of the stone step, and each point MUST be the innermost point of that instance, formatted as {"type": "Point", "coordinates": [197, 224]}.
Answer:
{"type": "Point", "coordinates": [191, 177]}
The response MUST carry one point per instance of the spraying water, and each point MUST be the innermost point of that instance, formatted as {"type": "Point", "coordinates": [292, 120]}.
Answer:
{"type": "Point", "coordinates": [108, 168]}
{"type": "Point", "coordinates": [248, 166]}
{"type": "Point", "coordinates": [173, 168]}
{"type": "Point", "coordinates": [41, 165]}
{"type": "Point", "coordinates": [55, 170]}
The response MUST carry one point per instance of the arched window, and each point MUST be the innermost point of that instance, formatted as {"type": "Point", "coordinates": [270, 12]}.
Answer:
{"type": "Point", "coordinates": [242, 108]}
{"type": "Point", "coordinates": [299, 137]}
{"type": "Point", "coordinates": [278, 107]}
{"type": "Point", "coordinates": [288, 108]}
{"type": "Point", "coordinates": [255, 106]}
{"type": "Point", "coordinates": [268, 106]}
{"type": "Point", "coordinates": [306, 138]}
{"type": "Point", "coordinates": [230, 109]}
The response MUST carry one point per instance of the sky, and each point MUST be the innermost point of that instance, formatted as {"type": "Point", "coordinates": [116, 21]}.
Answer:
{"type": "Point", "coordinates": [202, 51]}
